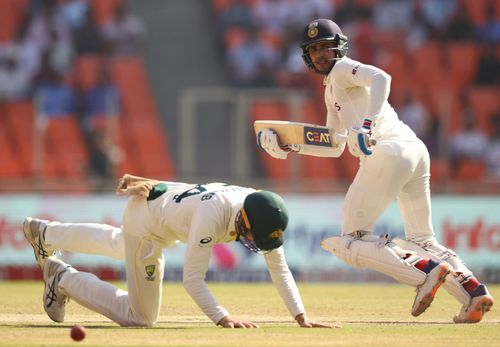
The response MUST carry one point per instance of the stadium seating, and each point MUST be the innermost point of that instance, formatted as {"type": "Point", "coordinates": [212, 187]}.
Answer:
{"type": "Point", "coordinates": [485, 102]}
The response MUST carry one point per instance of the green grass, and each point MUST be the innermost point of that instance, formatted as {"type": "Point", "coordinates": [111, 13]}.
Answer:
{"type": "Point", "coordinates": [370, 315]}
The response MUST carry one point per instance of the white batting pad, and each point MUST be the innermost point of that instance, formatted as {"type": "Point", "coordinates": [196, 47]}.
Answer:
{"type": "Point", "coordinates": [378, 254]}
{"type": "Point", "coordinates": [434, 250]}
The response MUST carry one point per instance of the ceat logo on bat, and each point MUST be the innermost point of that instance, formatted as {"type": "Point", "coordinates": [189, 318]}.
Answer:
{"type": "Point", "coordinates": [317, 136]}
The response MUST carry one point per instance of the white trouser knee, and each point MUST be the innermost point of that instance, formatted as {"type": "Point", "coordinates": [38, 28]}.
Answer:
{"type": "Point", "coordinates": [432, 249]}
{"type": "Point", "coordinates": [102, 297]}
{"type": "Point", "coordinates": [377, 253]}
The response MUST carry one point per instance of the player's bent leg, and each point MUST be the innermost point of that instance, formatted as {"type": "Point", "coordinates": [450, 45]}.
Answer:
{"type": "Point", "coordinates": [144, 267]}
{"type": "Point", "coordinates": [382, 255]}
{"type": "Point", "coordinates": [90, 238]}
{"type": "Point", "coordinates": [461, 283]}
{"type": "Point", "coordinates": [99, 296]}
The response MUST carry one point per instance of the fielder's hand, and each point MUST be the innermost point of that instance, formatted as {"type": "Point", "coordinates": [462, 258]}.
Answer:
{"type": "Point", "coordinates": [267, 139]}
{"type": "Point", "coordinates": [228, 322]}
{"type": "Point", "coordinates": [134, 185]}
{"type": "Point", "coordinates": [305, 323]}
{"type": "Point", "coordinates": [359, 141]}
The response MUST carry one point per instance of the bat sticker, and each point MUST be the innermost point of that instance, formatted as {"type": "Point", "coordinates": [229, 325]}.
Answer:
{"type": "Point", "coordinates": [317, 137]}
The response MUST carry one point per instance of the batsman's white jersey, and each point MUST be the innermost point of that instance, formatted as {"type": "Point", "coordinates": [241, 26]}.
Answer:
{"type": "Point", "coordinates": [198, 215]}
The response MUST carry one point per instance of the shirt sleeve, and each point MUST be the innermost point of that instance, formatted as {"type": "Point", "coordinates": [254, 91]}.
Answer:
{"type": "Point", "coordinates": [284, 281]}
{"type": "Point", "coordinates": [356, 74]}
{"type": "Point", "coordinates": [205, 226]}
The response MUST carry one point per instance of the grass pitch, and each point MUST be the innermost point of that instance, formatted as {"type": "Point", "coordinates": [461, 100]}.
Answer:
{"type": "Point", "coordinates": [370, 315]}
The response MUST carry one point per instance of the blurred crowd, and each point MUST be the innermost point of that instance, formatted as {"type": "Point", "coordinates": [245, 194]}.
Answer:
{"type": "Point", "coordinates": [439, 52]}
{"type": "Point", "coordinates": [40, 61]}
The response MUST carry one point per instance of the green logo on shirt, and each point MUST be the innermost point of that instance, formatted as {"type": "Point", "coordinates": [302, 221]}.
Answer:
{"type": "Point", "coordinates": [150, 270]}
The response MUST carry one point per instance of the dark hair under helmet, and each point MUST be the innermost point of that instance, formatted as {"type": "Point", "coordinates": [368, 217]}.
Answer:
{"type": "Point", "coordinates": [266, 217]}
{"type": "Point", "coordinates": [322, 30]}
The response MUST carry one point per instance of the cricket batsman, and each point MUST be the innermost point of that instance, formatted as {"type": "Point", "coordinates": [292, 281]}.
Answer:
{"type": "Point", "coordinates": [397, 167]}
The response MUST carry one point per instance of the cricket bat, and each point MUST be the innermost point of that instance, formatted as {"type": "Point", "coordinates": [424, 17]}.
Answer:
{"type": "Point", "coordinates": [291, 133]}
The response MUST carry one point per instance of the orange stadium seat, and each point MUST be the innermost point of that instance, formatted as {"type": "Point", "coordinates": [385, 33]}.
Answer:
{"type": "Point", "coordinates": [128, 73]}
{"type": "Point", "coordinates": [462, 61]}
{"type": "Point", "coordinates": [220, 5]}
{"type": "Point", "coordinates": [19, 122]}
{"type": "Point", "coordinates": [470, 170]}
{"type": "Point", "coordinates": [427, 66]}
{"type": "Point", "coordinates": [11, 15]}
{"type": "Point", "coordinates": [485, 102]}
{"type": "Point", "coordinates": [440, 170]}
{"type": "Point", "coordinates": [9, 163]}
{"type": "Point", "coordinates": [395, 64]}
{"type": "Point", "coordinates": [477, 10]}
{"type": "Point", "coordinates": [65, 144]}
{"type": "Point", "coordinates": [104, 9]}
{"type": "Point", "coordinates": [139, 112]}
{"type": "Point", "coordinates": [271, 39]}
{"type": "Point", "coordinates": [87, 68]}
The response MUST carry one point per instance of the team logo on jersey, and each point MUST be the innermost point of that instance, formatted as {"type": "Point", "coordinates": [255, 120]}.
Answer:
{"type": "Point", "coordinates": [150, 271]}
{"type": "Point", "coordinates": [355, 70]}
{"type": "Point", "coordinates": [312, 31]}
{"type": "Point", "coordinates": [205, 240]}
{"type": "Point", "coordinates": [317, 136]}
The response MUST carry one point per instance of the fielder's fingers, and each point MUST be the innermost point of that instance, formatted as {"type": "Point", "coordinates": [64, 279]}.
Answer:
{"type": "Point", "coordinates": [322, 325]}
{"type": "Point", "coordinates": [248, 324]}
{"type": "Point", "coordinates": [305, 325]}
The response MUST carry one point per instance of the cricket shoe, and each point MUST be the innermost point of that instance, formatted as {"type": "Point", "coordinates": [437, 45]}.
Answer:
{"type": "Point", "coordinates": [480, 303]}
{"type": "Point", "coordinates": [34, 231]}
{"type": "Point", "coordinates": [54, 302]}
{"type": "Point", "coordinates": [427, 290]}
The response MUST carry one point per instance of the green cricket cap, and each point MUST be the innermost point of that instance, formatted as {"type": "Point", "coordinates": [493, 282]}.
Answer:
{"type": "Point", "coordinates": [268, 218]}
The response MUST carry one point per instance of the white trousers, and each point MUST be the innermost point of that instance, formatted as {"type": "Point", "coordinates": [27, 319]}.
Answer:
{"type": "Point", "coordinates": [144, 265]}
{"type": "Point", "coordinates": [395, 171]}
{"type": "Point", "coordinates": [401, 171]}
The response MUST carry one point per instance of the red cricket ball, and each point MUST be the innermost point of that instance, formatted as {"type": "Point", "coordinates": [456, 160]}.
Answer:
{"type": "Point", "coordinates": [78, 333]}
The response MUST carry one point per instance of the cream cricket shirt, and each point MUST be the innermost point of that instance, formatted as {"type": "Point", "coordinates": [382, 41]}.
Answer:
{"type": "Point", "coordinates": [202, 216]}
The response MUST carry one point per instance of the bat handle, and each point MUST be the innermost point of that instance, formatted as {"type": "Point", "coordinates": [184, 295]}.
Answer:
{"type": "Point", "coordinates": [339, 138]}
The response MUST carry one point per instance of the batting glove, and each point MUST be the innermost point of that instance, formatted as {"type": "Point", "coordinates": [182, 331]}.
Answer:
{"type": "Point", "coordinates": [359, 140]}
{"type": "Point", "coordinates": [267, 139]}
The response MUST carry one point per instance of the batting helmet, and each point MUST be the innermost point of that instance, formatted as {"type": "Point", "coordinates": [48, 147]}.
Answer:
{"type": "Point", "coordinates": [261, 221]}
{"type": "Point", "coordinates": [323, 30]}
